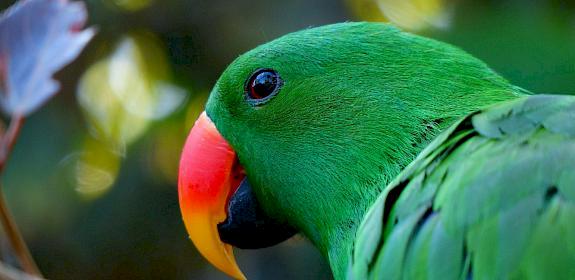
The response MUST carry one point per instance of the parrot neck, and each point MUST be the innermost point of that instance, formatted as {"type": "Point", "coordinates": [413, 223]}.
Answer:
{"type": "Point", "coordinates": [347, 199]}
{"type": "Point", "coordinates": [335, 238]}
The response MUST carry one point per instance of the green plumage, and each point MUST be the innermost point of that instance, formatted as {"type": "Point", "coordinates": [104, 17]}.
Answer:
{"type": "Point", "coordinates": [493, 197]}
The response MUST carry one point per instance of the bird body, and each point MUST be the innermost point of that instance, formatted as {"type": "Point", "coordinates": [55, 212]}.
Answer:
{"type": "Point", "coordinates": [493, 197]}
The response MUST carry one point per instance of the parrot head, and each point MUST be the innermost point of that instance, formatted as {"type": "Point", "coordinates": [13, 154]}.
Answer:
{"type": "Point", "coordinates": [301, 134]}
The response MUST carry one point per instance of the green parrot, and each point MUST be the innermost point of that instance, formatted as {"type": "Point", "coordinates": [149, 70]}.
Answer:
{"type": "Point", "coordinates": [309, 133]}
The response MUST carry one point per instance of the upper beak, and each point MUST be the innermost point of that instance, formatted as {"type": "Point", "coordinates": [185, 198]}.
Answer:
{"type": "Point", "coordinates": [209, 174]}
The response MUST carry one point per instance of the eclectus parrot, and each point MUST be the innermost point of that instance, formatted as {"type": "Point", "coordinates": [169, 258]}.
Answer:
{"type": "Point", "coordinates": [306, 134]}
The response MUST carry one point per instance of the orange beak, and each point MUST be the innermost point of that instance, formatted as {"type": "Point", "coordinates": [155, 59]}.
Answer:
{"type": "Point", "coordinates": [209, 174]}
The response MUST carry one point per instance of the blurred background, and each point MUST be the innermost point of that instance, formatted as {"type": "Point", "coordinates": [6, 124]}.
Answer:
{"type": "Point", "coordinates": [92, 180]}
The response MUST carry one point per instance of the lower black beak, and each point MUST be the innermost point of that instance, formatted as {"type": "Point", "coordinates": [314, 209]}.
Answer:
{"type": "Point", "coordinates": [247, 226]}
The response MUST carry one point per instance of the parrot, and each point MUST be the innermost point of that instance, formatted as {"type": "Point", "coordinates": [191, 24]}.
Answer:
{"type": "Point", "coordinates": [395, 155]}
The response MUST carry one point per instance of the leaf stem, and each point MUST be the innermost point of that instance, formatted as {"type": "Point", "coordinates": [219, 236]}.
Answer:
{"type": "Point", "coordinates": [16, 240]}
{"type": "Point", "coordinates": [14, 236]}
{"type": "Point", "coordinates": [9, 139]}
{"type": "Point", "coordinates": [10, 273]}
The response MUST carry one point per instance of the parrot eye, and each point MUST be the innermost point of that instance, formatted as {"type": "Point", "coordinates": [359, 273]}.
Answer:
{"type": "Point", "coordinates": [262, 86]}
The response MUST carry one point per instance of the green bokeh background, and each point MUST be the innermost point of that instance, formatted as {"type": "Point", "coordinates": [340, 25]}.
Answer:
{"type": "Point", "coordinates": [133, 230]}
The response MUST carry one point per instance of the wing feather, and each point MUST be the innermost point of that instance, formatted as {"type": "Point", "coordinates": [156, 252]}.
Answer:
{"type": "Point", "coordinates": [493, 197]}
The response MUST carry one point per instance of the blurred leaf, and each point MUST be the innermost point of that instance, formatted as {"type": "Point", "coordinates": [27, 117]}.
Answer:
{"type": "Point", "coordinates": [414, 15]}
{"type": "Point", "coordinates": [96, 169]}
{"type": "Point", "coordinates": [367, 10]}
{"type": "Point", "coordinates": [108, 118]}
{"type": "Point", "coordinates": [194, 108]}
{"type": "Point", "coordinates": [122, 93]}
{"type": "Point", "coordinates": [131, 5]}
{"type": "Point", "coordinates": [165, 152]}
{"type": "Point", "coordinates": [169, 139]}
{"type": "Point", "coordinates": [37, 38]}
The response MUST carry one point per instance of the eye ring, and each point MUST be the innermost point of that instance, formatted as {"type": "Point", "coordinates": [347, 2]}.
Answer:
{"type": "Point", "coordinates": [262, 85]}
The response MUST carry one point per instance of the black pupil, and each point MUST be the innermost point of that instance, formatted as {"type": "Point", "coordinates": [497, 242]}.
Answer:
{"type": "Point", "coordinates": [263, 84]}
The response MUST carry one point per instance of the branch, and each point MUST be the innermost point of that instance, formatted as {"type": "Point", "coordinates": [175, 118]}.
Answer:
{"type": "Point", "coordinates": [10, 273]}
{"type": "Point", "coordinates": [9, 139]}
{"type": "Point", "coordinates": [14, 236]}
{"type": "Point", "coordinates": [16, 240]}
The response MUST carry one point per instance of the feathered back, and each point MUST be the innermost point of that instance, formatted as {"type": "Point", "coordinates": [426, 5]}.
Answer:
{"type": "Point", "coordinates": [491, 198]}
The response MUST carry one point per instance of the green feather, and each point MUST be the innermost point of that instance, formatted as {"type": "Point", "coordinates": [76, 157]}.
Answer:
{"type": "Point", "coordinates": [498, 187]}
{"type": "Point", "coordinates": [551, 253]}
